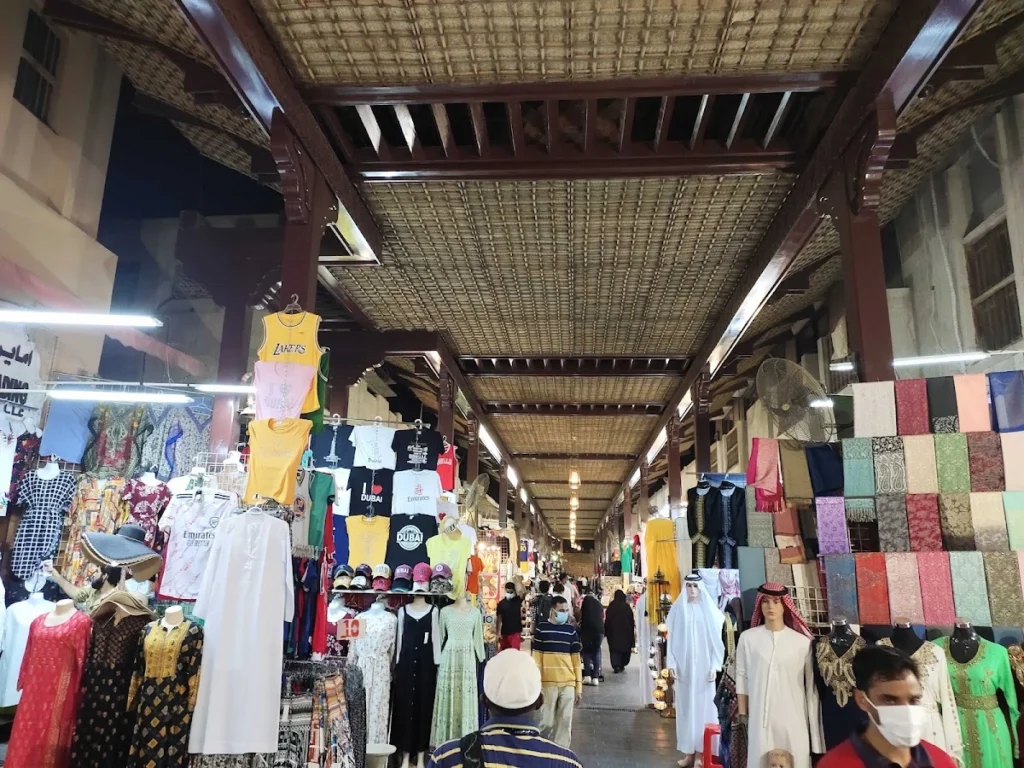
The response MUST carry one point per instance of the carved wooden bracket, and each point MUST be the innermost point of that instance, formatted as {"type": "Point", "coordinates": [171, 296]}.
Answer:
{"type": "Point", "coordinates": [674, 430]}
{"type": "Point", "coordinates": [295, 170]}
{"type": "Point", "coordinates": [472, 429]}
{"type": "Point", "coordinates": [445, 390]}
{"type": "Point", "coordinates": [702, 393]}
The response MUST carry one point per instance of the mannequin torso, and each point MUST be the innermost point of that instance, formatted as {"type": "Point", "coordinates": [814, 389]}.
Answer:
{"type": "Point", "coordinates": [48, 471]}
{"type": "Point", "coordinates": [964, 642]}
{"type": "Point", "coordinates": [418, 608]}
{"type": "Point", "coordinates": [62, 612]}
{"type": "Point", "coordinates": [904, 638]}
{"type": "Point", "coordinates": [172, 617]}
{"type": "Point", "coordinates": [842, 637]}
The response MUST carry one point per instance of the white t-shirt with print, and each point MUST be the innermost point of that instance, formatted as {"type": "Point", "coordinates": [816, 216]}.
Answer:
{"type": "Point", "coordinates": [373, 447]}
{"type": "Point", "coordinates": [416, 492]}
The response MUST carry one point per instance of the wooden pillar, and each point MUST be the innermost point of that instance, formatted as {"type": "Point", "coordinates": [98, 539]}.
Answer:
{"type": "Point", "coordinates": [231, 366]}
{"type": "Point", "coordinates": [473, 453]}
{"type": "Point", "coordinates": [446, 405]}
{"type": "Point", "coordinates": [517, 515]}
{"type": "Point", "coordinates": [308, 205]}
{"type": "Point", "coordinates": [627, 513]}
{"type": "Point", "coordinates": [702, 423]}
{"type": "Point", "coordinates": [674, 480]}
{"type": "Point", "coordinates": [502, 494]}
{"type": "Point", "coordinates": [850, 199]}
{"type": "Point", "coordinates": [645, 492]}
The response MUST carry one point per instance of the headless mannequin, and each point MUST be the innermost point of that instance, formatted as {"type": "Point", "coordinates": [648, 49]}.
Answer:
{"type": "Point", "coordinates": [418, 608]}
{"type": "Point", "coordinates": [48, 471]}
{"type": "Point", "coordinates": [173, 616]}
{"type": "Point", "coordinates": [963, 643]}
{"type": "Point", "coordinates": [61, 613]}
{"type": "Point", "coordinates": [462, 604]}
{"type": "Point", "coordinates": [148, 478]}
{"type": "Point", "coordinates": [378, 606]}
{"type": "Point", "coordinates": [36, 597]}
{"type": "Point", "coordinates": [841, 637]}
{"type": "Point", "coordinates": [904, 638]}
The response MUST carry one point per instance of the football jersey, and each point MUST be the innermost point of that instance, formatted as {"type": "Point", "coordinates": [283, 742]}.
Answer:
{"type": "Point", "coordinates": [190, 524]}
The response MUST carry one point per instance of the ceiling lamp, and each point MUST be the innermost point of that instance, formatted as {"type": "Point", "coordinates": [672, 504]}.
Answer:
{"type": "Point", "coordinates": [574, 502]}
{"type": "Point", "coordinates": [100, 319]}
{"type": "Point", "coordinates": [574, 479]}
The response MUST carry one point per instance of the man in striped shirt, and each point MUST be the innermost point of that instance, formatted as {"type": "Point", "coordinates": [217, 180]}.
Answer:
{"type": "Point", "coordinates": [556, 649]}
{"type": "Point", "coordinates": [512, 693]}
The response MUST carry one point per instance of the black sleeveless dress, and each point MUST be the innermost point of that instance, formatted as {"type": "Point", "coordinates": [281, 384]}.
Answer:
{"type": "Point", "coordinates": [415, 684]}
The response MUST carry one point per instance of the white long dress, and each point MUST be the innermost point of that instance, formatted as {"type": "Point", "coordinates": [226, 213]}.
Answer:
{"type": "Point", "coordinates": [695, 653]}
{"type": "Point", "coordinates": [15, 637]}
{"type": "Point", "coordinates": [245, 596]}
{"type": "Point", "coordinates": [643, 642]}
{"type": "Point", "coordinates": [773, 669]}
{"type": "Point", "coordinates": [372, 653]}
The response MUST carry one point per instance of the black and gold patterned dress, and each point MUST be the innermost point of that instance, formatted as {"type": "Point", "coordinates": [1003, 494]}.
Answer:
{"type": "Point", "coordinates": [163, 694]}
{"type": "Point", "coordinates": [103, 730]}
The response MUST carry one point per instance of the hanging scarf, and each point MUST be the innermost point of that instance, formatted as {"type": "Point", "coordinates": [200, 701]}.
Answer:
{"type": "Point", "coordinates": [826, 469]}
{"type": "Point", "coordinates": [872, 588]}
{"type": "Point", "coordinates": [923, 522]}
{"type": "Point", "coordinates": [912, 407]}
{"type": "Point", "coordinates": [919, 462]}
{"type": "Point", "coordinates": [942, 404]}
{"type": "Point", "coordinates": [972, 402]}
{"type": "Point", "coordinates": [763, 474]}
{"type": "Point", "coordinates": [936, 588]}
{"type": "Point", "coordinates": [791, 616]}
{"type": "Point", "coordinates": [970, 593]}
{"type": "Point", "coordinates": [796, 477]}
{"type": "Point", "coordinates": [904, 587]}
{"type": "Point", "coordinates": [841, 587]}
{"type": "Point", "coordinates": [953, 466]}
{"type": "Point", "coordinates": [985, 458]}
{"type": "Point", "coordinates": [874, 409]}
{"type": "Point", "coordinates": [1007, 391]}
{"type": "Point", "coordinates": [833, 535]}
{"type": "Point", "coordinates": [858, 467]}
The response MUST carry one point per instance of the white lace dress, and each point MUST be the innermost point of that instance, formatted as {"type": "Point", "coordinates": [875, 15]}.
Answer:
{"type": "Point", "coordinates": [372, 653]}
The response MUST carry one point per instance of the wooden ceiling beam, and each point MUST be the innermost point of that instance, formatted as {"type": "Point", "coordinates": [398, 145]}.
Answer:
{"type": "Point", "coordinates": [589, 125]}
{"type": "Point", "coordinates": [444, 129]}
{"type": "Point", "coordinates": [779, 117]}
{"type": "Point", "coordinates": [739, 120]}
{"type": "Point", "coordinates": [552, 131]}
{"type": "Point", "coordinates": [515, 121]}
{"type": "Point", "coordinates": [577, 456]}
{"type": "Point", "coordinates": [574, 409]}
{"type": "Point", "coordinates": [373, 131]}
{"type": "Point", "coordinates": [408, 126]}
{"type": "Point", "coordinates": [625, 88]}
{"type": "Point", "coordinates": [700, 124]}
{"type": "Point", "coordinates": [480, 137]}
{"type": "Point", "coordinates": [668, 104]}
{"type": "Point", "coordinates": [330, 120]}
{"type": "Point", "coordinates": [911, 48]}
{"type": "Point", "coordinates": [626, 124]}
{"type": "Point", "coordinates": [583, 366]}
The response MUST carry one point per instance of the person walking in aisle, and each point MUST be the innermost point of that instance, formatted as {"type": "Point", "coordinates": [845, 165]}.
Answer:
{"type": "Point", "coordinates": [888, 689]}
{"type": "Point", "coordinates": [620, 631]}
{"type": "Point", "coordinates": [510, 619]}
{"type": "Point", "coordinates": [592, 637]}
{"type": "Point", "coordinates": [556, 649]}
{"type": "Point", "coordinates": [512, 694]}
{"type": "Point", "coordinates": [542, 604]}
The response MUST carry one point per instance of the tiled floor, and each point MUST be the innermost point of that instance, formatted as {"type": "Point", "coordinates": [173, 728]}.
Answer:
{"type": "Point", "coordinates": [612, 729]}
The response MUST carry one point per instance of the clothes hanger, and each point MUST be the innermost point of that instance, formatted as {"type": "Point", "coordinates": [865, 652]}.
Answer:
{"type": "Point", "coordinates": [293, 307]}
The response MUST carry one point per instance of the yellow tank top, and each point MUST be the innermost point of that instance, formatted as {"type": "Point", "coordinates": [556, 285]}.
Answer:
{"type": "Point", "coordinates": [293, 339]}
{"type": "Point", "coordinates": [275, 450]}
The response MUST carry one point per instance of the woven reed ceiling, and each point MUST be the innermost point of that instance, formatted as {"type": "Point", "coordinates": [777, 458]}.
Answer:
{"type": "Point", "coordinates": [574, 434]}
{"type": "Point", "coordinates": [554, 389]}
{"type": "Point", "coordinates": [494, 41]}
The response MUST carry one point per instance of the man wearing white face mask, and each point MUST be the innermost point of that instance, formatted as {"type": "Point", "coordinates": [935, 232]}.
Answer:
{"type": "Point", "coordinates": [889, 691]}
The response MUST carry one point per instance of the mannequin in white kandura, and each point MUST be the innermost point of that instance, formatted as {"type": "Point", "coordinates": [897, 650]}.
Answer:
{"type": "Point", "coordinates": [695, 655]}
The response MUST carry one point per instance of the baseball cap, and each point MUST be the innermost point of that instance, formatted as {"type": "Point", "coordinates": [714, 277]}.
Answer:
{"type": "Point", "coordinates": [403, 579]}
{"type": "Point", "coordinates": [441, 571]}
{"type": "Point", "coordinates": [512, 680]}
{"type": "Point", "coordinates": [381, 583]}
{"type": "Point", "coordinates": [343, 576]}
{"type": "Point", "coordinates": [362, 578]}
{"type": "Point", "coordinates": [421, 578]}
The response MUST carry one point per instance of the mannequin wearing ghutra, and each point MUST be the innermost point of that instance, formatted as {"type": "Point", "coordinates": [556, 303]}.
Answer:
{"type": "Point", "coordinates": [695, 655]}
{"type": "Point", "coordinates": [775, 681]}
{"type": "Point", "coordinates": [833, 676]}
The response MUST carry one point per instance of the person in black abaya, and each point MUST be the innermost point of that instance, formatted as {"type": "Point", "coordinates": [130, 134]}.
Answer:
{"type": "Point", "coordinates": [620, 631]}
{"type": "Point", "coordinates": [592, 636]}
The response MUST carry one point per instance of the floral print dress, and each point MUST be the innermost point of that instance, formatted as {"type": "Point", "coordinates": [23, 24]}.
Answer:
{"type": "Point", "coordinates": [455, 704]}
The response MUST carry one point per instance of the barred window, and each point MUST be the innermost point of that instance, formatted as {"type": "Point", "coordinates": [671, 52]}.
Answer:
{"type": "Point", "coordinates": [37, 68]}
{"type": "Point", "coordinates": [993, 288]}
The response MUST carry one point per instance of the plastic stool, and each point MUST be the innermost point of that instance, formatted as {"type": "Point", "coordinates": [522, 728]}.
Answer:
{"type": "Point", "coordinates": [710, 759]}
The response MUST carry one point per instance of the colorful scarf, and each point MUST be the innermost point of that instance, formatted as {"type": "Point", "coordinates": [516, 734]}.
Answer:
{"type": "Point", "coordinates": [872, 588]}
{"type": "Point", "coordinates": [923, 522]}
{"type": "Point", "coordinates": [833, 536]}
{"type": "Point", "coordinates": [942, 405]}
{"type": "Point", "coordinates": [972, 402]}
{"type": "Point", "coordinates": [970, 594]}
{"type": "Point", "coordinates": [893, 534]}
{"type": "Point", "coordinates": [759, 524]}
{"type": "Point", "coordinates": [858, 467]}
{"type": "Point", "coordinates": [841, 587]}
{"type": "Point", "coordinates": [956, 522]}
{"type": "Point", "coordinates": [860, 510]}
{"type": "Point", "coordinates": [1013, 459]}
{"type": "Point", "coordinates": [912, 407]}
{"type": "Point", "coordinates": [989, 522]}
{"type": "Point", "coordinates": [791, 616]}
{"type": "Point", "coordinates": [1007, 390]}
{"type": "Point", "coordinates": [874, 409]}
{"type": "Point", "coordinates": [919, 459]}
{"type": "Point", "coordinates": [1005, 599]}
{"type": "Point", "coordinates": [904, 587]}
{"type": "Point", "coordinates": [752, 575]}
{"type": "Point", "coordinates": [936, 588]}
{"type": "Point", "coordinates": [796, 477]}
{"type": "Point", "coordinates": [763, 473]}
{"type": "Point", "coordinates": [1013, 508]}
{"type": "Point", "coordinates": [952, 464]}
{"type": "Point", "coordinates": [985, 456]}
{"type": "Point", "coordinates": [826, 469]}
{"type": "Point", "coordinates": [890, 471]}
{"type": "Point", "coordinates": [775, 570]}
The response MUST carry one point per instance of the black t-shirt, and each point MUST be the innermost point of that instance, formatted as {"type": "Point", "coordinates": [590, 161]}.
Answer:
{"type": "Point", "coordinates": [331, 448]}
{"type": "Point", "coordinates": [417, 448]}
{"type": "Point", "coordinates": [407, 540]}
{"type": "Point", "coordinates": [370, 488]}
{"type": "Point", "coordinates": [511, 612]}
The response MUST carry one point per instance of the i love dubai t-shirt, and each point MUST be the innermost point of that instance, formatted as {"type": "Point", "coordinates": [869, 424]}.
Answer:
{"type": "Point", "coordinates": [370, 490]}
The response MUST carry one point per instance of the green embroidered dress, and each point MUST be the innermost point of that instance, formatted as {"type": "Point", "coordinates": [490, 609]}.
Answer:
{"type": "Point", "coordinates": [987, 742]}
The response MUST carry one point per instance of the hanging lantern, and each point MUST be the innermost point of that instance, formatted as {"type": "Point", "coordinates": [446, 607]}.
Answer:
{"type": "Point", "coordinates": [574, 502]}
{"type": "Point", "coordinates": [574, 479]}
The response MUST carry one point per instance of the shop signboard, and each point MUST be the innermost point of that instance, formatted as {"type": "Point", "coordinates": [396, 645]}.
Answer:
{"type": "Point", "coordinates": [19, 370]}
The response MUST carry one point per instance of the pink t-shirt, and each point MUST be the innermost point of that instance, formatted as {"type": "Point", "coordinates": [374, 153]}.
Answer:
{"type": "Point", "coordinates": [281, 389]}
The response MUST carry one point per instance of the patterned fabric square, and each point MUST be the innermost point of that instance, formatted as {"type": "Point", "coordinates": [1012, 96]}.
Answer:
{"type": "Point", "coordinates": [985, 456]}
{"type": "Point", "coordinates": [858, 467]}
{"type": "Point", "coordinates": [791, 550]}
{"type": "Point", "coordinates": [893, 533]}
{"type": "Point", "coordinates": [775, 570]}
{"type": "Point", "coordinates": [872, 588]}
{"type": "Point", "coordinates": [989, 522]}
{"type": "Point", "coordinates": [1013, 508]}
{"type": "Point", "coordinates": [912, 407]}
{"type": "Point", "coordinates": [890, 472]}
{"type": "Point", "coordinates": [942, 405]}
{"type": "Point", "coordinates": [957, 524]}
{"type": "Point", "coordinates": [841, 587]}
{"type": "Point", "coordinates": [970, 591]}
{"type": "Point", "coordinates": [874, 409]}
{"type": "Point", "coordinates": [972, 402]}
{"type": "Point", "coordinates": [919, 458]}
{"type": "Point", "coordinates": [904, 587]}
{"type": "Point", "coordinates": [833, 536]}
{"type": "Point", "coordinates": [952, 463]}
{"type": "Point", "coordinates": [1007, 391]}
{"type": "Point", "coordinates": [860, 510]}
{"type": "Point", "coordinates": [1005, 599]}
{"type": "Point", "coordinates": [1013, 459]}
{"type": "Point", "coordinates": [936, 588]}
{"type": "Point", "coordinates": [787, 521]}
{"type": "Point", "coordinates": [759, 524]}
{"type": "Point", "coordinates": [923, 522]}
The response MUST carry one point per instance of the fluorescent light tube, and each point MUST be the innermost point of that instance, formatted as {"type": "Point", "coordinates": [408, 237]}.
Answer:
{"type": "Point", "coordinates": [113, 396]}
{"type": "Point", "coordinates": [47, 317]}
{"type": "Point", "coordinates": [822, 403]}
{"type": "Point", "coordinates": [955, 357]}
{"type": "Point", "coordinates": [227, 389]}
{"type": "Point", "coordinates": [844, 367]}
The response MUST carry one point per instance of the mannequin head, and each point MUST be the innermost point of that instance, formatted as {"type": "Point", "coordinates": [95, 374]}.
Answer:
{"type": "Point", "coordinates": [693, 592]}
{"type": "Point", "coordinates": [773, 611]}
{"type": "Point", "coordinates": [779, 758]}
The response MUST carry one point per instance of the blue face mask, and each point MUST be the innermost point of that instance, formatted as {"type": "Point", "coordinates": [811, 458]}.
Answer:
{"type": "Point", "coordinates": [561, 617]}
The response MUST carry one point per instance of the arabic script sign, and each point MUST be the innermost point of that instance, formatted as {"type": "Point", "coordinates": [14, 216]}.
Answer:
{"type": "Point", "coordinates": [19, 370]}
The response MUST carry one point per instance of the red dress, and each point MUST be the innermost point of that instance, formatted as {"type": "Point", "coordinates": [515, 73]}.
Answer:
{"type": "Point", "coordinates": [49, 681]}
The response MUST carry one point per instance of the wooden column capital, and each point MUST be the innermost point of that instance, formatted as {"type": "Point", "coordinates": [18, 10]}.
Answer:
{"type": "Point", "coordinates": [473, 453]}
{"type": "Point", "coordinates": [701, 421]}
{"type": "Point", "coordinates": [674, 479]}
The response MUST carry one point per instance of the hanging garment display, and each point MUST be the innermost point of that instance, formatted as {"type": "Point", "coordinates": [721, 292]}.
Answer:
{"type": "Point", "coordinates": [447, 467]}
{"type": "Point", "coordinates": [8, 448]}
{"type": "Point", "coordinates": [416, 492]}
{"type": "Point", "coordinates": [292, 338]}
{"type": "Point", "coordinates": [407, 540]}
{"type": "Point", "coordinates": [956, 522]}
{"type": "Point", "coordinates": [145, 505]}
{"type": "Point", "coordinates": [984, 452]}
{"type": "Point", "coordinates": [860, 510]}
{"type": "Point", "coordinates": [180, 434]}
{"type": "Point", "coordinates": [874, 409]}
{"type": "Point", "coordinates": [872, 588]}
{"type": "Point", "coordinates": [970, 593]}
{"type": "Point", "coordinates": [775, 570]}
{"type": "Point", "coordinates": [832, 659]}
{"type": "Point", "coordinates": [760, 532]}
{"type": "Point", "coordinates": [103, 733]}
{"type": "Point", "coordinates": [942, 405]}
{"type": "Point", "coordinates": [796, 476]}
{"type": "Point", "coordinates": [986, 735]}
{"type": "Point", "coordinates": [417, 654]}
{"type": "Point", "coordinates": [661, 557]}
{"type": "Point", "coordinates": [163, 693]}
{"type": "Point", "coordinates": [417, 449]}
{"type": "Point", "coordinates": [919, 459]}
{"type": "Point", "coordinates": [300, 515]}
{"type": "Point", "coordinates": [890, 470]}
{"type": "Point", "coordinates": [1007, 391]}
{"type": "Point", "coordinates": [17, 622]}
{"type": "Point", "coordinates": [372, 491]}
{"type": "Point", "coordinates": [989, 522]}
{"type": "Point", "coordinates": [316, 416]}
{"type": "Point", "coordinates": [923, 522]}
{"type": "Point", "coordinates": [936, 588]}
{"type": "Point", "coordinates": [118, 433]}
{"type": "Point", "coordinates": [972, 402]}
{"type": "Point", "coordinates": [245, 595]}
{"type": "Point", "coordinates": [321, 490]}
{"type": "Point", "coordinates": [190, 525]}
{"type": "Point", "coordinates": [704, 514]}
{"type": "Point", "coordinates": [281, 389]}
{"type": "Point", "coordinates": [373, 652]}
{"type": "Point", "coordinates": [26, 456]}
{"type": "Point", "coordinates": [734, 526]}
{"type": "Point", "coordinates": [367, 539]}
{"type": "Point", "coordinates": [276, 448]}
{"type": "Point", "coordinates": [333, 447]}
{"type": "Point", "coordinates": [826, 469]}
{"type": "Point", "coordinates": [451, 547]}
{"type": "Point", "coordinates": [50, 694]}
{"type": "Point", "coordinates": [893, 530]}
{"type": "Point", "coordinates": [764, 474]}
{"type": "Point", "coordinates": [1005, 599]}
{"type": "Point", "coordinates": [373, 447]}
{"type": "Point", "coordinates": [1013, 508]}
{"type": "Point", "coordinates": [695, 653]}
{"type": "Point", "coordinates": [66, 433]}
{"type": "Point", "coordinates": [455, 705]}
{"type": "Point", "coordinates": [1013, 459]}
{"type": "Point", "coordinates": [45, 498]}
{"type": "Point", "coordinates": [912, 407]}
{"type": "Point", "coordinates": [98, 506]}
